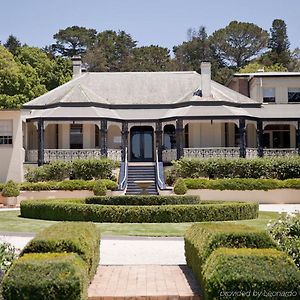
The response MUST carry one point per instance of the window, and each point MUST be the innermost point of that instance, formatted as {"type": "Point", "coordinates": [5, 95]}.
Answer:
{"type": "Point", "coordinates": [294, 94]}
{"type": "Point", "coordinates": [76, 136]}
{"type": "Point", "coordinates": [6, 132]}
{"type": "Point", "coordinates": [269, 95]}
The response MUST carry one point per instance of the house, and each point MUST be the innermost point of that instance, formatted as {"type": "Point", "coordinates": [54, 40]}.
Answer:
{"type": "Point", "coordinates": [161, 116]}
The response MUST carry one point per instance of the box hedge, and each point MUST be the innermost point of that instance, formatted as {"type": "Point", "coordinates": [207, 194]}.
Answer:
{"type": "Point", "coordinates": [250, 274]}
{"type": "Point", "coordinates": [143, 200]}
{"type": "Point", "coordinates": [277, 168]}
{"type": "Point", "coordinates": [63, 210]}
{"type": "Point", "coordinates": [80, 237]}
{"type": "Point", "coordinates": [202, 239]}
{"type": "Point", "coordinates": [51, 276]}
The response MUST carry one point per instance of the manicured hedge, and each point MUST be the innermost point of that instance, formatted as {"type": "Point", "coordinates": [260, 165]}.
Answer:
{"type": "Point", "coordinates": [250, 274]}
{"type": "Point", "coordinates": [241, 184]}
{"type": "Point", "coordinates": [143, 200]}
{"type": "Point", "coordinates": [202, 239]}
{"type": "Point", "coordinates": [58, 276]}
{"type": "Point", "coordinates": [63, 210]}
{"type": "Point", "coordinates": [277, 168]}
{"type": "Point", "coordinates": [78, 237]}
{"type": "Point", "coordinates": [66, 185]}
{"type": "Point", "coordinates": [85, 169]}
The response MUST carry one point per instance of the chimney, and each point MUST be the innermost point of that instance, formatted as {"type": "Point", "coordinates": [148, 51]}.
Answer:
{"type": "Point", "coordinates": [206, 79]}
{"type": "Point", "coordinates": [76, 61]}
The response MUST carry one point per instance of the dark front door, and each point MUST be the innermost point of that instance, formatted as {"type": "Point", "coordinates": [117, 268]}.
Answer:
{"type": "Point", "coordinates": [141, 143]}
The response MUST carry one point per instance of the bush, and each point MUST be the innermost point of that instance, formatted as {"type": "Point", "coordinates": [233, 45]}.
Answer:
{"type": "Point", "coordinates": [99, 188]}
{"type": "Point", "coordinates": [143, 200]}
{"type": "Point", "coordinates": [277, 168]}
{"type": "Point", "coordinates": [10, 189]}
{"type": "Point", "coordinates": [85, 169]}
{"type": "Point", "coordinates": [80, 238]}
{"type": "Point", "coordinates": [250, 274]}
{"type": "Point", "coordinates": [202, 239]}
{"type": "Point", "coordinates": [286, 232]}
{"type": "Point", "coordinates": [48, 276]}
{"type": "Point", "coordinates": [66, 185]}
{"type": "Point", "coordinates": [180, 187]}
{"type": "Point", "coordinates": [65, 210]}
{"type": "Point", "coordinates": [7, 256]}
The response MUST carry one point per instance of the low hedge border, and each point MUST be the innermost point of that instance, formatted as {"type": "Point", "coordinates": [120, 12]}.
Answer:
{"type": "Point", "coordinates": [46, 276]}
{"type": "Point", "coordinates": [143, 200]}
{"type": "Point", "coordinates": [81, 238]}
{"type": "Point", "coordinates": [250, 274]}
{"type": "Point", "coordinates": [241, 184]}
{"type": "Point", "coordinates": [64, 210]}
{"type": "Point", "coordinates": [202, 239]}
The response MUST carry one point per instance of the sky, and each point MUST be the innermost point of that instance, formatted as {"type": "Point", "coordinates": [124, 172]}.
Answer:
{"type": "Point", "coordinates": [158, 22]}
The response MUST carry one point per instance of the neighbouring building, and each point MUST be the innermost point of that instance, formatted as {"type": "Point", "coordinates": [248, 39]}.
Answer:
{"type": "Point", "coordinates": [159, 116]}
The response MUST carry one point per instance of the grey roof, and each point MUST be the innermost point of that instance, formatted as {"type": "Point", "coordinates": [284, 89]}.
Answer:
{"type": "Point", "coordinates": [267, 74]}
{"type": "Point", "coordinates": [136, 88]}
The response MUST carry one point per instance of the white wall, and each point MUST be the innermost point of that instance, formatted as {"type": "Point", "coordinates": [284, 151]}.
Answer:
{"type": "Point", "coordinates": [12, 156]}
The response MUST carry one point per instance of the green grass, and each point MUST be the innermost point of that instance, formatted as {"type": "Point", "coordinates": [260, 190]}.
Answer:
{"type": "Point", "coordinates": [11, 222]}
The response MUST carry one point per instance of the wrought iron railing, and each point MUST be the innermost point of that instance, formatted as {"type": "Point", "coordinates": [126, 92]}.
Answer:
{"type": "Point", "coordinates": [168, 155]}
{"type": "Point", "coordinates": [228, 152]}
{"type": "Point", "coordinates": [280, 152]}
{"type": "Point", "coordinates": [51, 155]}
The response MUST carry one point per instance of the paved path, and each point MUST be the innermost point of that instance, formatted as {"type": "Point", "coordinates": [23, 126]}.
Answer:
{"type": "Point", "coordinates": [147, 281]}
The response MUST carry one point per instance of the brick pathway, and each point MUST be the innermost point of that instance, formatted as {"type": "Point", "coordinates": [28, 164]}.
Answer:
{"type": "Point", "coordinates": [144, 281]}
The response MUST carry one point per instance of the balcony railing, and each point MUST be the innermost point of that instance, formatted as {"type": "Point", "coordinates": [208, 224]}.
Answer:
{"type": "Point", "coordinates": [51, 155]}
{"type": "Point", "coordinates": [225, 152]}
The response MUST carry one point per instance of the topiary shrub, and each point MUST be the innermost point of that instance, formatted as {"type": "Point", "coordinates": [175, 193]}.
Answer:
{"type": "Point", "coordinates": [180, 187]}
{"type": "Point", "coordinates": [10, 189]}
{"type": "Point", "coordinates": [47, 276]}
{"type": "Point", "coordinates": [99, 188]}
{"type": "Point", "coordinates": [202, 239]}
{"type": "Point", "coordinates": [233, 274]}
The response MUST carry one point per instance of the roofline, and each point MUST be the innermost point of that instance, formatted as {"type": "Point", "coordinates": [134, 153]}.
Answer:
{"type": "Point", "coordinates": [265, 74]}
{"type": "Point", "coordinates": [144, 106]}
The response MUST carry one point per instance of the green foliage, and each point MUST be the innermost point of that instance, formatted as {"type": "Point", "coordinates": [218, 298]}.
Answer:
{"type": "Point", "coordinates": [241, 184]}
{"type": "Point", "coordinates": [202, 239]}
{"type": "Point", "coordinates": [10, 189]}
{"type": "Point", "coordinates": [50, 276]}
{"type": "Point", "coordinates": [76, 210]}
{"type": "Point", "coordinates": [99, 188]}
{"type": "Point", "coordinates": [7, 256]}
{"type": "Point", "coordinates": [286, 232]}
{"type": "Point", "coordinates": [12, 44]}
{"type": "Point", "coordinates": [180, 187]}
{"type": "Point", "coordinates": [254, 67]}
{"type": "Point", "coordinates": [143, 200]}
{"type": "Point", "coordinates": [250, 274]}
{"type": "Point", "coordinates": [84, 169]}
{"type": "Point", "coordinates": [74, 40]}
{"type": "Point", "coordinates": [277, 168]}
{"type": "Point", "coordinates": [76, 237]}
{"type": "Point", "coordinates": [238, 42]}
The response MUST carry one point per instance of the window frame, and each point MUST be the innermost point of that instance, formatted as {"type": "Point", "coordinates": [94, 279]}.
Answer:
{"type": "Point", "coordinates": [289, 92]}
{"type": "Point", "coordinates": [6, 138]}
{"type": "Point", "coordinates": [269, 99]}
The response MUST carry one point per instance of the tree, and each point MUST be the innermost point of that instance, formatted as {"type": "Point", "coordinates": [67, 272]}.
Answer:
{"type": "Point", "coordinates": [12, 44]}
{"type": "Point", "coordinates": [115, 50]}
{"type": "Point", "coordinates": [74, 40]}
{"type": "Point", "coordinates": [295, 61]}
{"type": "Point", "coordinates": [255, 67]}
{"type": "Point", "coordinates": [151, 59]}
{"type": "Point", "coordinates": [238, 42]}
{"type": "Point", "coordinates": [279, 44]}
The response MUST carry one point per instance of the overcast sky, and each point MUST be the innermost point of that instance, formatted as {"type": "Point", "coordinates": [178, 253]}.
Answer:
{"type": "Point", "coordinates": [162, 22]}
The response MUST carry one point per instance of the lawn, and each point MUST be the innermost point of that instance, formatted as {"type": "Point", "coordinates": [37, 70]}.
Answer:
{"type": "Point", "coordinates": [12, 223]}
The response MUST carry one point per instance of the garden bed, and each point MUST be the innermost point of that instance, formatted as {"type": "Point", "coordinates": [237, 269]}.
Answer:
{"type": "Point", "coordinates": [80, 210]}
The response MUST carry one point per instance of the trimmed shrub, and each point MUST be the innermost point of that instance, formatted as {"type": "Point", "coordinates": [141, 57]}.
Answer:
{"type": "Point", "coordinates": [143, 200]}
{"type": "Point", "coordinates": [10, 189]}
{"type": "Point", "coordinates": [85, 169]}
{"type": "Point", "coordinates": [81, 238]}
{"type": "Point", "coordinates": [51, 276]}
{"type": "Point", "coordinates": [63, 210]}
{"type": "Point", "coordinates": [66, 185]}
{"type": "Point", "coordinates": [202, 239]}
{"type": "Point", "coordinates": [277, 168]}
{"type": "Point", "coordinates": [250, 274]}
{"type": "Point", "coordinates": [99, 188]}
{"type": "Point", "coordinates": [1, 186]}
{"type": "Point", "coordinates": [7, 256]}
{"type": "Point", "coordinates": [286, 232]}
{"type": "Point", "coordinates": [180, 187]}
